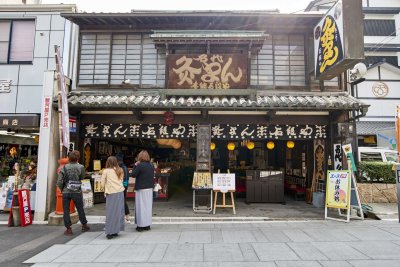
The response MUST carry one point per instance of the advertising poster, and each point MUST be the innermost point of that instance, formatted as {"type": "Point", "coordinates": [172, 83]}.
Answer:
{"type": "Point", "coordinates": [224, 182]}
{"type": "Point", "coordinates": [338, 189]}
{"type": "Point", "coordinates": [3, 197]}
{"type": "Point", "coordinates": [87, 194]}
{"type": "Point", "coordinates": [97, 183]}
{"type": "Point", "coordinates": [96, 165]}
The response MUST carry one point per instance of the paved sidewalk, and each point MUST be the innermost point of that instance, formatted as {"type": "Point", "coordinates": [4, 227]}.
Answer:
{"type": "Point", "coordinates": [300, 243]}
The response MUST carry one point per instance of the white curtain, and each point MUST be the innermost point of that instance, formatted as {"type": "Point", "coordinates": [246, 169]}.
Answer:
{"type": "Point", "coordinates": [4, 37]}
{"type": "Point", "coordinates": [22, 40]}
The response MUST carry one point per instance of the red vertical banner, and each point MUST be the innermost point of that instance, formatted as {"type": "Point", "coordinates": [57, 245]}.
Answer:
{"type": "Point", "coordinates": [24, 207]}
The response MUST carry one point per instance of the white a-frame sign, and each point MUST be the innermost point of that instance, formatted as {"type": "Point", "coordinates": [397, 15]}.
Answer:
{"type": "Point", "coordinates": [341, 190]}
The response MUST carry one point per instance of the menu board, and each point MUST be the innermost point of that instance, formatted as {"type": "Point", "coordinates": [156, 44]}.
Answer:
{"type": "Point", "coordinates": [224, 182]}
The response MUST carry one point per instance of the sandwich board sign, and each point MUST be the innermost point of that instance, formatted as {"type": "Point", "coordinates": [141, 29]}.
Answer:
{"type": "Point", "coordinates": [341, 189]}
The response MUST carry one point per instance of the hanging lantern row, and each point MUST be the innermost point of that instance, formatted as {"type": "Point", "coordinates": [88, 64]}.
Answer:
{"type": "Point", "coordinates": [212, 146]}
{"type": "Point", "coordinates": [270, 145]}
{"type": "Point", "coordinates": [250, 145]}
{"type": "Point", "coordinates": [290, 144]}
{"type": "Point", "coordinates": [174, 143]}
{"type": "Point", "coordinates": [231, 146]}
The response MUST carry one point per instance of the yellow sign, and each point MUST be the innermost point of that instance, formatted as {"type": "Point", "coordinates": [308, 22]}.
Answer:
{"type": "Point", "coordinates": [96, 165]}
{"type": "Point", "coordinates": [338, 189]}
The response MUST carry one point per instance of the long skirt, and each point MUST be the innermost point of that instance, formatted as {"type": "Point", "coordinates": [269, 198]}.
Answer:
{"type": "Point", "coordinates": [143, 207]}
{"type": "Point", "coordinates": [115, 210]}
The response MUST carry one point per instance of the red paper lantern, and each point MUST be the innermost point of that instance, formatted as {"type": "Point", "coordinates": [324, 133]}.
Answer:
{"type": "Point", "coordinates": [169, 118]}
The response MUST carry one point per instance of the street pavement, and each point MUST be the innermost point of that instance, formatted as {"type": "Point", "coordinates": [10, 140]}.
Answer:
{"type": "Point", "coordinates": [271, 243]}
{"type": "Point", "coordinates": [18, 244]}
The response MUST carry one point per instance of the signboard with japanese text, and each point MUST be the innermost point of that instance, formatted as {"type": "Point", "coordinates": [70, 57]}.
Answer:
{"type": "Point", "coordinates": [46, 112]}
{"type": "Point", "coordinates": [218, 131]}
{"type": "Point", "coordinates": [19, 121]}
{"type": "Point", "coordinates": [87, 194]}
{"type": "Point", "coordinates": [337, 157]}
{"type": "Point", "coordinates": [97, 183]}
{"type": "Point", "coordinates": [338, 39]}
{"type": "Point", "coordinates": [5, 86]}
{"type": "Point", "coordinates": [203, 158]}
{"type": "Point", "coordinates": [72, 124]}
{"type": "Point", "coordinates": [24, 207]}
{"type": "Point", "coordinates": [224, 182]}
{"type": "Point", "coordinates": [338, 189]}
{"type": "Point", "coordinates": [207, 71]}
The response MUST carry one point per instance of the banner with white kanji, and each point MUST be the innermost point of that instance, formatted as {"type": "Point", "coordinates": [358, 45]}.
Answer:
{"type": "Point", "coordinates": [218, 131]}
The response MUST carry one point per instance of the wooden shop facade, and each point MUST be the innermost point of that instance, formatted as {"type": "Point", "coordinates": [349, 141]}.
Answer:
{"type": "Point", "coordinates": [146, 80]}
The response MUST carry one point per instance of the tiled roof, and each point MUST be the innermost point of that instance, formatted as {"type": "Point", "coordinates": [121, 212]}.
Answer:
{"type": "Point", "coordinates": [371, 127]}
{"type": "Point", "coordinates": [303, 101]}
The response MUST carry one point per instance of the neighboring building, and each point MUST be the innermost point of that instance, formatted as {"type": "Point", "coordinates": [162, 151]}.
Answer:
{"type": "Point", "coordinates": [382, 57]}
{"type": "Point", "coordinates": [16, 2]}
{"type": "Point", "coordinates": [28, 35]}
{"type": "Point", "coordinates": [144, 77]}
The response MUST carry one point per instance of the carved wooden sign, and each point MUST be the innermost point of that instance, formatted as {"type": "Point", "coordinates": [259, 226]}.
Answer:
{"type": "Point", "coordinates": [203, 147]}
{"type": "Point", "coordinates": [207, 71]}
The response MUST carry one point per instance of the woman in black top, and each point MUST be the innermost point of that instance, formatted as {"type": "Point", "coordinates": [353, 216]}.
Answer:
{"type": "Point", "coordinates": [144, 174]}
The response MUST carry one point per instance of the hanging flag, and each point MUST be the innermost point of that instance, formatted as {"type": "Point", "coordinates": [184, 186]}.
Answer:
{"type": "Point", "coordinates": [64, 100]}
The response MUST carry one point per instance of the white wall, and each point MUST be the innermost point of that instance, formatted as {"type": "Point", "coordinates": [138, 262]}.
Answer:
{"type": "Point", "coordinates": [382, 108]}
{"type": "Point", "coordinates": [27, 79]}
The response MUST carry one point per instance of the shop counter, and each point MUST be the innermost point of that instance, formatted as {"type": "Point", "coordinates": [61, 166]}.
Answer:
{"type": "Point", "coordinates": [265, 186]}
{"type": "Point", "coordinates": [160, 189]}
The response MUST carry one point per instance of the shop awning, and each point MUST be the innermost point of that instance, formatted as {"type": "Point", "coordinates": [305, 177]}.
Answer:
{"type": "Point", "coordinates": [371, 127]}
{"type": "Point", "coordinates": [260, 101]}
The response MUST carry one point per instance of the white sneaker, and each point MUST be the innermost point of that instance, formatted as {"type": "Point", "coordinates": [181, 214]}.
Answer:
{"type": "Point", "coordinates": [127, 219]}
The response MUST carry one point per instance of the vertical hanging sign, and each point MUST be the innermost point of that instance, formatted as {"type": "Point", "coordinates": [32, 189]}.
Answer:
{"type": "Point", "coordinates": [203, 148]}
{"type": "Point", "coordinates": [64, 100]}
{"type": "Point", "coordinates": [337, 158]}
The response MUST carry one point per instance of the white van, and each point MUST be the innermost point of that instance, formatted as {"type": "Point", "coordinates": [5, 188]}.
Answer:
{"type": "Point", "coordinates": [376, 154]}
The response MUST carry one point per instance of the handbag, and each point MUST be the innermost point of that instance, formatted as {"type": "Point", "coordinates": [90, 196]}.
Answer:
{"type": "Point", "coordinates": [72, 185]}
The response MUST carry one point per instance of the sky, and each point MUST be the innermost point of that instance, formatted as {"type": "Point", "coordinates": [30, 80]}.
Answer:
{"type": "Point", "coordinates": [285, 6]}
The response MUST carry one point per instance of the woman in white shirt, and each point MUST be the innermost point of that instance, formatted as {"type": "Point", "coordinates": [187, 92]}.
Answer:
{"type": "Point", "coordinates": [112, 182]}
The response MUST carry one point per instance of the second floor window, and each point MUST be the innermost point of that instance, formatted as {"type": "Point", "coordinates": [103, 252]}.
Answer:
{"type": "Point", "coordinates": [379, 27]}
{"type": "Point", "coordinates": [16, 41]}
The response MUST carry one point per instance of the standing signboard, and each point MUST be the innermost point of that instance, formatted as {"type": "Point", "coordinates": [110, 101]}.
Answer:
{"type": "Point", "coordinates": [338, 189]}
{"type": "Point", "coordinates": [20, 204]}
{"type": "Point", "coordinates": [338, 193]}
{"type": "Point", "coordinates": [24, 207]}
{"type": "Point", "coordinates": [224, 183]}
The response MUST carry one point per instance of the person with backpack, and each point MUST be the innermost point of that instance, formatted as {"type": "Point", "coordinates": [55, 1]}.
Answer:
{"type": "Point", "coordinates": [125, 183]}
{"type": "Point", "coordinates": [111, 181]}
{"type": "Point", "coordinates": [69, 182]}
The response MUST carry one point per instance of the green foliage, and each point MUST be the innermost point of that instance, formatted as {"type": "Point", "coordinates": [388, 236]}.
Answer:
{"type": "Point", "coordinates": [376, 172]}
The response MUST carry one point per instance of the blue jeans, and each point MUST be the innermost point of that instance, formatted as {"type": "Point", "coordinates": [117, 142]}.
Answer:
{"type": "Point", "coordinates": [77, 198]}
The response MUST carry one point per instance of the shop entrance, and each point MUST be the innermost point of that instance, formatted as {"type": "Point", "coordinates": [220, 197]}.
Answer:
{"type": "Point", "coordinates": [175, 160]}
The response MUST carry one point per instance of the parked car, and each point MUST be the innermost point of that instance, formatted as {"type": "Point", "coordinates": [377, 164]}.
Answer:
{"type": "Point", "coordinates": [377, 154]}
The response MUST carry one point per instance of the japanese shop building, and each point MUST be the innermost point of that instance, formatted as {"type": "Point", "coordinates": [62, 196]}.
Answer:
{"type": "Point", "coordinates": [147, 79]}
